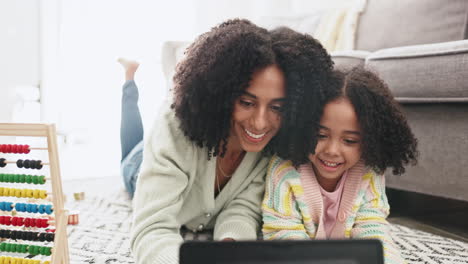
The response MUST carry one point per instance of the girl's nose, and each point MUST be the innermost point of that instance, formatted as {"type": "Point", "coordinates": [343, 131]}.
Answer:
{"type": "Point", "coordinates": [332, 147]}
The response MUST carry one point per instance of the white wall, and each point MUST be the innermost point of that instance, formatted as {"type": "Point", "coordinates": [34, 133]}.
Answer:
{"type": "Point", "coordinates": [19, 50]}
{"type": "Point", "coordinates": [21, 45]}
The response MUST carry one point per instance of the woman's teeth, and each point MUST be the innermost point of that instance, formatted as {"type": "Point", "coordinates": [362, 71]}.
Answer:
{"type": "Point", "coordinates": [254, 135]}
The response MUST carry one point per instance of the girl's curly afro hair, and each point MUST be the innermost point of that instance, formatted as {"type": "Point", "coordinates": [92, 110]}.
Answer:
{"type": "Point", "coordinates": [387, 140]}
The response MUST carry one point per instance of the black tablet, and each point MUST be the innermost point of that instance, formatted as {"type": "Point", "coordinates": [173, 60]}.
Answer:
{"type": "Point", "coordinates": [282, 252]}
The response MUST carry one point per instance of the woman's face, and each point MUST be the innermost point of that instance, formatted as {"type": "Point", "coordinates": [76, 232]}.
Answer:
{"type": "Point", "coordinates": [256, 117]}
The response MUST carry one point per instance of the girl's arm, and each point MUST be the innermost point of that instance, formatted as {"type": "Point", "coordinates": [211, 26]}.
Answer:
{"type": "Point", "coordinates": [282, 218]}
{"type": "Point", "coordinates": [371, 218]}
{"type": "Point", "coordinates": [155, 236]}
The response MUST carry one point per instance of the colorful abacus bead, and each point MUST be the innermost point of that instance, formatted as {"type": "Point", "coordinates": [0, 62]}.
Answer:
{"type": "Point", "coordinates": [5, 220]}
{"type": "Point", "coordinates": [21, 178]}
{"type": "Point", "coordinates": [17, 221]}
{"type": "Point", "coordinates": [41, 209]}
{"type": "Point", "coordinates": [48, 209]}
{"type": "Point", "coordinates": [45, 251]}
{"type": "Point", "coordinates": [8, 148]}
{"type": "Point", "coordinates": [27, 222]}
{"type": "Point", "coordinates": [11, 178]}
{"type": "Point", "coordinates": [44, 223]}
{"type": "Point", "coordinates": [6, 206]}
{"type": "Point", "coordinates": [20, 207]}
{"type": "Point", "coordinates": [42, 179]}
{"type": "Point", "coordinates": [32, 208]}
{"type": "Point", "coordinates": [4, 177]}
{"type": "Point", "coordinates": [33, 250]}
{"type": "Point", "coordinates": [29, 164]}
{"type": "Point", "coordinates": [23, 248]}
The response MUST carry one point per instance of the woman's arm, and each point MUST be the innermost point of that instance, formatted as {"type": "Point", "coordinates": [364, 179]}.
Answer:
{"type": "Point", "coordinates": [240, 219]}
{"type": "Point", "coordinates": [159, 197]}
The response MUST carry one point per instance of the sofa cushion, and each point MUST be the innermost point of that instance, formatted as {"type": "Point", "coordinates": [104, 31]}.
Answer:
{"type": "Point", "coordinates": [393, 23]}
{"type": "Point", "coordinates": [424, 73]}
{"type": "Point", "coordinates": [346, 60]}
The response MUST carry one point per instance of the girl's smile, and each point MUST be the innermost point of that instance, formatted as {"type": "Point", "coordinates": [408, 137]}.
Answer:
{"type": "Point", "coordinates": [330, 166]}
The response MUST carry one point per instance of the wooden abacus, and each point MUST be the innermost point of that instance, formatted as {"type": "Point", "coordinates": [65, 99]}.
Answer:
{"type": "Point", "coordinates": [59, 252]}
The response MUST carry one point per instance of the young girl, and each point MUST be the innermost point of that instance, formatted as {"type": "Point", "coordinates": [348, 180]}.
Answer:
{"type": "Point", "coordinates": [334, 187]}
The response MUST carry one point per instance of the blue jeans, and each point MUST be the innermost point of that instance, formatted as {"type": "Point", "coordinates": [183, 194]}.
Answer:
{"type": "Point", "coordinates": [131, 136]}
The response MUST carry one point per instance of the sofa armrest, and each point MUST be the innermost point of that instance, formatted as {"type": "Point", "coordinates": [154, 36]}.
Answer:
{"type": "Point", "coordinates": [346, 60]}
{"type": "Point", "coordinates": [171, 53]}
{"type": "Point", "coordinates": [432, 73]}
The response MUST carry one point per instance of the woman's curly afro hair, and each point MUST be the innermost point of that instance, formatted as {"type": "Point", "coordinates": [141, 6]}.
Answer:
{"type": "Point", "coordinates": [217, 69]}
{"type": "Point", "coordinates": [387, 140]}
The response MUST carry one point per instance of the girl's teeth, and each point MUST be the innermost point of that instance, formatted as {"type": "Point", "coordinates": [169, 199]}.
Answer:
{"type": "Point", "coordinates": [254, 135]}
{"type": "Point", "coordinates": [330, 164]}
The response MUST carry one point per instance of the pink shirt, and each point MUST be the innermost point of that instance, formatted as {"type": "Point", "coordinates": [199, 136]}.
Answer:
{"type": "Point", "coordinates": [331, 204]}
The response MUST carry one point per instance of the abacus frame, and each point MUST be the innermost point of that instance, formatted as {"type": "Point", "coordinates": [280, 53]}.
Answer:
{"type": "Point", "coordinates": [60, 253]}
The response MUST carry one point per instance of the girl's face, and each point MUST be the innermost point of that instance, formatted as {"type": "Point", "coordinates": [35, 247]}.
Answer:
{"type": "Point", "coordinates": [339, 143]}
{"type": "Point", "coordinates": [256, 117]}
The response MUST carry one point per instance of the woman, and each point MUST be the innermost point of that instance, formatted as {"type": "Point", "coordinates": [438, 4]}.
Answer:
{"type": "Point", "coordinates": [205, 161]}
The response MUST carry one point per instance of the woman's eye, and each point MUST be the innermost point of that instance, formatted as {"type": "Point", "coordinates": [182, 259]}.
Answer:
{"type": "Point", "coordinates": [277, 108]}
{"type": "Point", "coordinates": [245, 103]}
{"type": "Point", "coordinates": [320, 136]}
{"type": "Point", "coordinates": [351, 141]}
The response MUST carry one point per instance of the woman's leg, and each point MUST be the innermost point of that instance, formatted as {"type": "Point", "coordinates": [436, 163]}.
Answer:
{"type": "Point", "coordinates": [131, 128]}
{"type": "Point", "coordinates": [130, 167]}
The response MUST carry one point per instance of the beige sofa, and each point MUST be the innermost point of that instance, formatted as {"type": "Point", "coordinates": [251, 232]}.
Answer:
{"type": "Point", "coordinates": [420, 48]}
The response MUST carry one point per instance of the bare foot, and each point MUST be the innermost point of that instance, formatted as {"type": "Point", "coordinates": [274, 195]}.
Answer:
{"type": "Point", "coordinates": [130, 67]}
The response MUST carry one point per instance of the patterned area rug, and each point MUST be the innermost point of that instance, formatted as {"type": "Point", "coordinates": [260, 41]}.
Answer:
{"type": "Point", "coordinates": [102, 236]}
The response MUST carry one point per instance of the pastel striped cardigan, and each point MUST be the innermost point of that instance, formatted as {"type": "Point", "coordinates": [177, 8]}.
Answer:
{"type": "Point", "coordinates": [293, 206]}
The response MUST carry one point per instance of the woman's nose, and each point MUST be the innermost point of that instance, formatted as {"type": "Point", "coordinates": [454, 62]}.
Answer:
{"type": "Point", "coordinates": [260, 119]}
